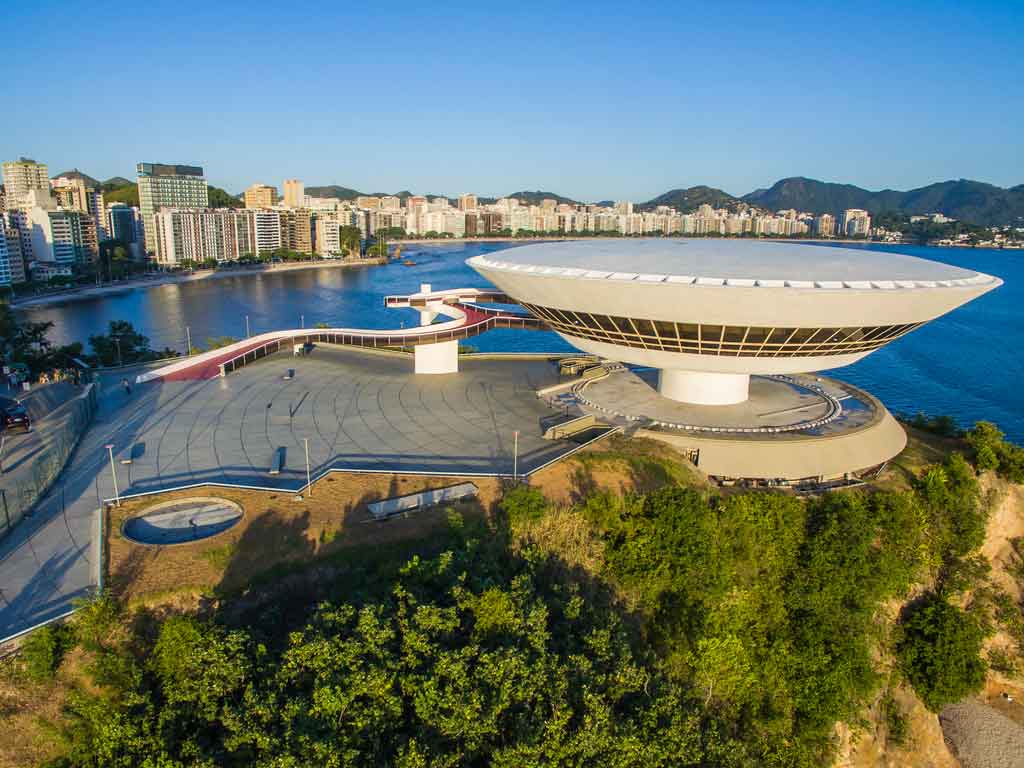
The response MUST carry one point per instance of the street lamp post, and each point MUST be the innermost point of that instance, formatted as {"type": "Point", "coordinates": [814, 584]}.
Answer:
{"type": "Point", "coordinates": [188, 340]}
{"type": "Point", "coordinates": [113, 473]}
{"type": "Point", "coordinates": [309, 483]}
{"type": "Point", "coordinates": [247, 334]}
{"type": "Point", "coordinates": [515, 456]}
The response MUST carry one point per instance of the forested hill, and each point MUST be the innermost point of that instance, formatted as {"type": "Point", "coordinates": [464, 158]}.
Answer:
{"type": "Point", "coordinates": [971, 201]}
{"type": "Point", "coordinates": [335, 191]}
{"type": "Point", "coordinates": [691, 198]}
{"type": "Point", "coordinates": [77, 174]}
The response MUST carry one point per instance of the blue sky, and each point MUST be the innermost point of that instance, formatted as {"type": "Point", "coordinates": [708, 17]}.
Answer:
{"type": "Point", "coordinates": [591, 100]}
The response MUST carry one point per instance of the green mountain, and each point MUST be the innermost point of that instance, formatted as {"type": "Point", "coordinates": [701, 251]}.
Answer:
{"type": "Point", "coordinates": [347, 193]}
{"type": "Point", "coordinates": [116, 181]}
{"type": "Point", "coordinates": [970, 201]}
{"type": "Point", "coordinates": [221, 199]}
{"type": "Point", "coordinates": [333, 190]}
{"type": "Point", "coordinates": [691, 198]}
{"type": "Point", "coordinates": [127, 193]}
{"type": "Point", "coordinates": [77, 174]}
{"type": "Point", "coordinates": [534, 198]}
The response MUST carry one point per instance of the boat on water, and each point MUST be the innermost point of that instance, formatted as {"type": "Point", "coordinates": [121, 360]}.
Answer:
{"type": "Point", "coordinates": [408, 263]}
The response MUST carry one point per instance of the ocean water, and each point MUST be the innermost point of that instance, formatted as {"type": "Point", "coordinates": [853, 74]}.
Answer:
{"type": "Point", "coordinates": [967, 364]}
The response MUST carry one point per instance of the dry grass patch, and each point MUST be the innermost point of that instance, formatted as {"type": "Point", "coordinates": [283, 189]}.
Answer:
{"type": "Point", "coordinates": [618, 465]}
{"type": "Point", "coordinates": [29, 714]}
{"type": "Point", "coordinates": [565, 534]}
{"type": "Point", "coordinates": [923, 448]}
{"type": "Point", "coordinates": [276, 530]}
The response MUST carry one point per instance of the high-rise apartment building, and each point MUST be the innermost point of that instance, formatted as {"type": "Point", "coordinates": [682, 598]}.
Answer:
{"type": "Point", "coordinates": [297, 230]}
{"type": "Point", "coordinates": [124, 224]}
{"type": "Point", "coordinates": [5, 260]}
{"type": "Point", "coordinates": [491, 223]}
{"type": "Point", "coordinates": [266, 229]}
{"type": "Point", "coordinates": [58, 235]}
{"type": "Point", "coordinates": [168, 186]}
{"type": "Point", "coordinates": [856, 223]}
{"type": "Point", "coordinates": [21, 177]}
{"type": "Point", "coordinates": [368, 202]}
{"type": "Point", "coordinates": [260, 196]}
{"type": "Point", "coordinates": [15, 249]}
{"type": "Point", "coordinates": [390, 203]}
{"type": "Point", "coordinates": [328, 237]}
{"type": "Point", "coordinates": [825, 225]}
{"type": "Point", "coordinates": [74, 194]}
{"type": "Point", "coordinates": [223, 234]}
{"type": "Point", "coordinates": [467, 202]}
{"type": "Point", "coordinates": [294, 193]}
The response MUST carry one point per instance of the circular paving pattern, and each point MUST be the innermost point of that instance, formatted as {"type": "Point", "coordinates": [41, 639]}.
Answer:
{"type": "Point", "coordinates": [182, 521]}
{"type": "Point", "coordinates": [776, 404]}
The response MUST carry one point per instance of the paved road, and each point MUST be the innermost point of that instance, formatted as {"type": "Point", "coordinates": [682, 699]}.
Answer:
{"type": "Point", "coordinates": [358, 410]}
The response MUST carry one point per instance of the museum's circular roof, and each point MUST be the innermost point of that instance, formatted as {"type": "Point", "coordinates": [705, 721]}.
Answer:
{"type": "Point", "coordinates": [730, 262]}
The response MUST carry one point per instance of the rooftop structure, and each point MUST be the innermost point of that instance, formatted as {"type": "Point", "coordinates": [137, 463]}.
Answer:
{"type": "Point", "coordinates": [167, 186]}
{"type": "Point", "coordinates": [20, 177]}
{"type": "Point", "coordinates": [710, 313]}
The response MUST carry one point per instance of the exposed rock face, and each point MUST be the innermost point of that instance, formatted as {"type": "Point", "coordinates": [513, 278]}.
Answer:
{"type": "Point", "coordinates": [981, 737]}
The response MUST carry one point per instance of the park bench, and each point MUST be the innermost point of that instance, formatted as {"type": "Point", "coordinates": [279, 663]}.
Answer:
{"type": "Point", "coordinates": [386, 508]}
{"type": "Point", "coordinates": [277, 461]}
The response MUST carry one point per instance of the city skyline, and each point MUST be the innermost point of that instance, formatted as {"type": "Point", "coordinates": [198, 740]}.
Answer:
{"type": "Point", "coordinates": [616, 105]}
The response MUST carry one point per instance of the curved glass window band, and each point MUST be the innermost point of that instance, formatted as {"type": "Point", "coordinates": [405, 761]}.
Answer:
{"type": "Point", "coordinates": [725, 341]}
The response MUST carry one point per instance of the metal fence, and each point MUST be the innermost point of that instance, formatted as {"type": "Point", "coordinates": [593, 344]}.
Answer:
{"type": "Point", "coordinates": [21, 487]}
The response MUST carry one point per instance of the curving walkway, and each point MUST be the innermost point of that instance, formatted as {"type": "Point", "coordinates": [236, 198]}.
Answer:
{"type": "Point", "coordinates": [467, 320]}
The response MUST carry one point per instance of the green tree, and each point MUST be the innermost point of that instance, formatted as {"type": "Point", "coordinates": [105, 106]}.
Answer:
{"type": "Point", "coordinates": [940, 652]}
{"type": "Point", "coordinates": [216, 342]}
{"type": "Point", "coordinates": [523, 503]}
{"type": "Point", "coordinates": [351, 240]}
{"type": "Point", "coordinates": [723, 670]}
{"type": "Point", "coordinates": [44, 650]}
{"type": "Point", "coordinates": [123, 345]}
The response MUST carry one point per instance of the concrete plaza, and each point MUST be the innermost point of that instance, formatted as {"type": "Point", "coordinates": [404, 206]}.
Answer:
{"type": "Point", "coordinates": [359, 411]}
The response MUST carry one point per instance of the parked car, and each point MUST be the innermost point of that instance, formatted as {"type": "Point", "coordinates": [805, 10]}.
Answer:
{"type": "Point", "coordinates": [13, 415]}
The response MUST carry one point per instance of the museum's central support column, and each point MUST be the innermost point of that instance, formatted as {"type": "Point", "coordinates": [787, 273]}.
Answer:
{"type": "Point", "coordinates": [703, 388]}
{"type": "Point", "coordinates": [442, 357]}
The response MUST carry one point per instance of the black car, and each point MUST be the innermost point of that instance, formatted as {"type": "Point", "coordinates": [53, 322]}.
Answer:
{"type": "Point", "coordinates": [13, 415]}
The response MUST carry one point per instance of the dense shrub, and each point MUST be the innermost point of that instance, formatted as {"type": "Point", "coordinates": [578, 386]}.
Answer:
{"type": "Point", "coordinates": [993, 451]}
{"type": "Point", "coordinates": [523, 503]}
{"type": "Point", "coordinates": [940, 652]}
{"type": "Point", "coordinates": [44, 650]}
{"type": "Point", "coordinates": [471, 660]}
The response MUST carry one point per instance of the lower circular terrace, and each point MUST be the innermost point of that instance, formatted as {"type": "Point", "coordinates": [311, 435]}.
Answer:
{"type": "Point", "coordinates": [776, 404]}
{"type": "Point", "coordinates": [801, 430]}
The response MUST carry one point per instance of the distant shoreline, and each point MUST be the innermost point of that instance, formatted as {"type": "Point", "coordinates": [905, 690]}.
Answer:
{"type": "Point", "coordinates": [554, 238]}
{"type": "Point", "coordinates": [92, 292]}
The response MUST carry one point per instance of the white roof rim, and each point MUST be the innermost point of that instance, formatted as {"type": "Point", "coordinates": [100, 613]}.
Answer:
{"type": "Point", "coordinates": [978, 279]}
